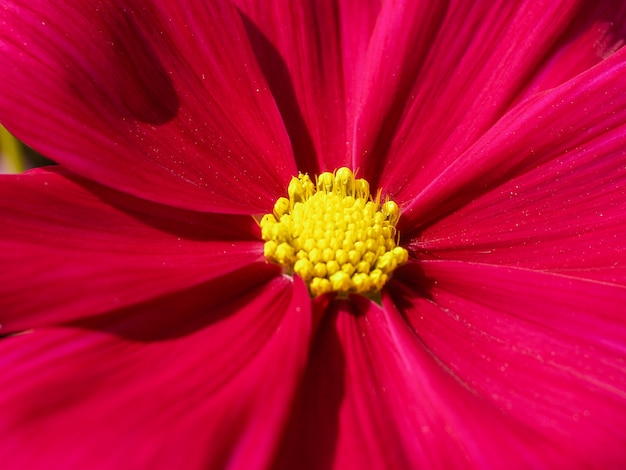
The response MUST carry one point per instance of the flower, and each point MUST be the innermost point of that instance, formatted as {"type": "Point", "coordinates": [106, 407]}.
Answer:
{"type": "Point", "coordinates": [143, 326]}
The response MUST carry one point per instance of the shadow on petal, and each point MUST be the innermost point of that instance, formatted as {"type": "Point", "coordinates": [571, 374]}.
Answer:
{"type": "Point", "coordinates": [409, 282]}
{"type": "Point", "coordinates": [184, 223]}
{"type": "Point", "coordinates": [311, 436]}
{"type": "Point", "coordinates": [281, 84]}
{"type": "Point", "coordinates": [185, 312]}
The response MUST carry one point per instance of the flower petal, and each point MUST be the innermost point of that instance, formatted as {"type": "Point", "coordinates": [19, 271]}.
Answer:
{"type": "Point", "coordinates": [567, 215]}
{"type": "Point", "coordinates": [547, 350]}
{"type": "Point", "coordinates": [84, 249]}
{"type": "Point", "coordinates": [374, 397]}
{"type": "Point", "coordinates": [396, 51]}
{"type": "Point", "coordinates": [598, 30]}
{"type": "Point", "coordinates": [115, 394]}
{"type": "Point", "coordinates": [144, 97]}
{"type": "Point", "coordinates": [299, 45]}
{"type": "Point", "coordinates": [574, 117]}
{"type": "Point", "coordinates": [486, 54]}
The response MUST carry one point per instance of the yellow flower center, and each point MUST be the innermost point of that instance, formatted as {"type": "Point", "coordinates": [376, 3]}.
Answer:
{"type": "Point", "coordinates": [333, 234]}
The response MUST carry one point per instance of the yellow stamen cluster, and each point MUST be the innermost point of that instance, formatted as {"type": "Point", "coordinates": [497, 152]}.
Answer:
{"type": "Point", "coordinates": [333, 234]}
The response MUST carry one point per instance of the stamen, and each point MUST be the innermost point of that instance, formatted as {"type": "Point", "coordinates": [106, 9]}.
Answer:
{"type": "Point", "coordinates": [334, 235]}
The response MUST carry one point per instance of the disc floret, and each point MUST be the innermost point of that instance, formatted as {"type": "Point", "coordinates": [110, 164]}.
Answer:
{"type": "Point", "coordinates": [333, 234]}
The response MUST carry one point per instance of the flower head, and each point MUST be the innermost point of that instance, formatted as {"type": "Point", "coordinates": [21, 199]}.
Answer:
{"type": "Point", "coordinates": [314, 234]}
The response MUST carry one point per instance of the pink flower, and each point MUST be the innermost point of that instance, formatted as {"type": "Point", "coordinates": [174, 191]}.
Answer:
{"type": "Point", "coordinates": [145, 329]}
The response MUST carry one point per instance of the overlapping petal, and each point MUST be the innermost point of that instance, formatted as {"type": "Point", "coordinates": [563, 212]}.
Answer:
{"type": "Point", "coordinates": [375, 397]}
{"type": "Point", "coordinates": [486, 55]}
{"type": "Point", "coordinates": [396, 51]}
{"type": "Point", "coordinates": [71, 248]}
{"type": "Point", "coordinates": [565, 215]}
{"type": "Point", "coordinates": [146, 97]}
{"type": "Point", "coordinates": [574, 117]}
{"type": "Point", "coordinates": [299, 45]}
{"type": "Point", "coordinates": [547, 350]}
{"type": "Point", "coordinates": [597, 32]}
{"type": "Point", "coordinates": [145, 390]}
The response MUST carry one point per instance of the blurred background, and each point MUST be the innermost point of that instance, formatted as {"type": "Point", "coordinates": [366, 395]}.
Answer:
{"type": "Point", "coordinates": [16, 157]}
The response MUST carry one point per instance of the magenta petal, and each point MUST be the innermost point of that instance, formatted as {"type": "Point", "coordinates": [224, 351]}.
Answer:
{"type": "Point", "coordinates": [72, 248]}
{"type": "Point", "coordinates": [485, 55]}
{"type": "Point", "coordinates": [597, 32]}
{"type": "Point", "coordinates": [374, 397]}
{"type": "Point", "coordinates": [579, 114]}
{"type": "Point", "coordinates": [566, 215]}
{"type": "Point", "coordinates": [547, 350]}
{"type": "Point", "coordinates": [299, 45]}
{"type": "Point", "coordinates": [185, 119]}
{"type": "Point", "coordinates": [210, 398]}
{"type": "Point", "coordinates": [396, 50]}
